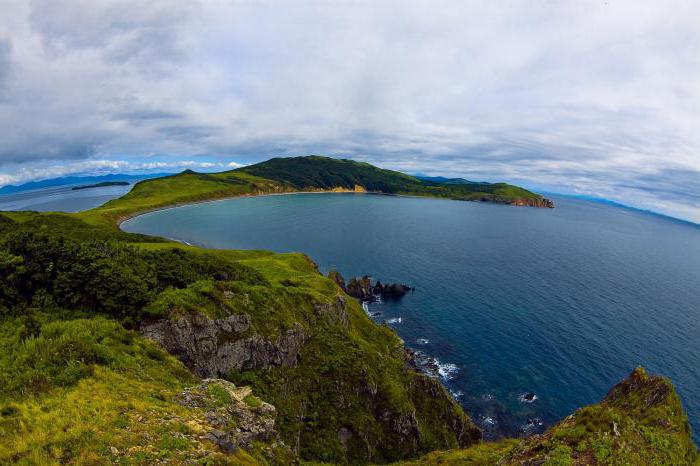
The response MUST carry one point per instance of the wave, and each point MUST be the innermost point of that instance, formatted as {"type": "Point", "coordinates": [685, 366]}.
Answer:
{"type": "Point", "coordinates": [527, 397]}
{"type": "Point", "coordinates": [447, 370]}
{"type": "Point", "coordinates": [532, 424]}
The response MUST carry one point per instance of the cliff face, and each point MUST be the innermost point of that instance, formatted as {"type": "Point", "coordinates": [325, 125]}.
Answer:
{"type": "Point", "coordinates": [215, 347]}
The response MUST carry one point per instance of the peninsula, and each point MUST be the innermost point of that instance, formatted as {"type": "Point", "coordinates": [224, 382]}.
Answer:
{"type": "Point", "coordinates": [103, 184]}
{"type": "Point", "coordinates": [125, 348]}
{"type": "Point", "coordinates": [303, 174]}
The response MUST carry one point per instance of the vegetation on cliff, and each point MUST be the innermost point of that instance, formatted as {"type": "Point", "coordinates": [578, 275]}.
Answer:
{"type": "Point", "coordinates": [87, 313]}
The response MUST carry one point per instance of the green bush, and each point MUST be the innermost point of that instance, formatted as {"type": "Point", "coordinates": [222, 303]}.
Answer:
{"type": "Point", "coordinates": [112, 278]}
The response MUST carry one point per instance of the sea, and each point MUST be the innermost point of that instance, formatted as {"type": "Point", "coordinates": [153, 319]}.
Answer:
{"type": "Point", "coordinates": [526, 313]}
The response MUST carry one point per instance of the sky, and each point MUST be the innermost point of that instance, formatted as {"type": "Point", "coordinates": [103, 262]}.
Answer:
{"type": "Point", "coordinates": [593, 97]}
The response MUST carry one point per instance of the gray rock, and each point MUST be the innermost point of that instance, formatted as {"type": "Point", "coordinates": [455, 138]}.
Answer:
{"type": "Point", "coordinates": [215, 347]}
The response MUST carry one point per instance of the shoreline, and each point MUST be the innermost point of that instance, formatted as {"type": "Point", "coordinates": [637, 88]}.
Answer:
{"type": "Point", "coordinates": [126, 218]}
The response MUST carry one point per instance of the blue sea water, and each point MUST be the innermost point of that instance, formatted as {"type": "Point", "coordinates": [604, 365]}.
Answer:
{"type": "Point", "coordinates": [61, 198]}
{"type": "Point", "coordinates": [559, 302]}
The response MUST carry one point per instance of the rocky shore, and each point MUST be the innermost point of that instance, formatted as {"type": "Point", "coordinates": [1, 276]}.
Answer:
{"type": "Point", "coordinates": [364, 290]}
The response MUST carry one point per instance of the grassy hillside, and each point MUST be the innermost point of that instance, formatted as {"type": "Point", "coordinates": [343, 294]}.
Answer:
{"type": "Point", "coordinates": [326, 173]}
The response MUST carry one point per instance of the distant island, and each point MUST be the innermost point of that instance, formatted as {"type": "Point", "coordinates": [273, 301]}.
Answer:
{"type": "Point", "coordinates": [77, 180]}
{"type": "Point", "coordinates": [131, 349]}
{"type": "Point", "coordinates": [101, 185]}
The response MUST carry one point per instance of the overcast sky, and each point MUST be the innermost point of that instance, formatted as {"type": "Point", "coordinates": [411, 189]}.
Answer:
{"type": "Point", "coordinates": [588, 96]}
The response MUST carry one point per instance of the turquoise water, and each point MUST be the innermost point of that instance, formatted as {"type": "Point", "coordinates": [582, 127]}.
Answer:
{"type": "Point", "coordinates": [563, 303]}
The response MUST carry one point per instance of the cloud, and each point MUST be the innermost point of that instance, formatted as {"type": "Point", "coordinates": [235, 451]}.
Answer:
{"type": "Point", "coordinates": [5, 64]}
{"type": "Point", "coordinates": [105, 166]}
{"type": "Point", "coordinates": [593, 97]}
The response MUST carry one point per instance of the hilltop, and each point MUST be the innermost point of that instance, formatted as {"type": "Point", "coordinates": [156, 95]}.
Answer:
{"type": "Point", "coordinates": [124, 348]}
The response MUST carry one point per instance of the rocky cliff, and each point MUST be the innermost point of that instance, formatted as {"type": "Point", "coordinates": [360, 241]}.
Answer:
{"type": "Point", "coordinates": [215, 347]}
{"type": "Point", "coordinates": [343, 387]}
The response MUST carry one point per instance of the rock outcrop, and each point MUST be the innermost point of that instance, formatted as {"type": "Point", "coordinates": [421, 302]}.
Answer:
{"type": "Point", "coordinates": [233, 417]}
{"type": "Point", "coordinates": [393, 290]}
{"type": "Point", "coordinates": [215, 347]}
{"type": "Point", "coordinates": [334, 312]}
{"type": "Point", "coordinates": [363, 289]}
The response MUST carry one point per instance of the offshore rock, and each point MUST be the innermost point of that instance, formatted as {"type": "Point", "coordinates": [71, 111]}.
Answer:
{"type": "Point", "coordinates": [393, 290]}
{"type": "Point", "coordinates": [363, 289]}
{"type": "Point", "coordinates": [360, 288]}
{"type": "Point", "coordinates": [215, 347]}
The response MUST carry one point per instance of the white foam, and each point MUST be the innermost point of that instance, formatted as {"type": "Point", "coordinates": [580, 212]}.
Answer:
{"type": "Point", "coordinates": [447, 370]}
{"type": "Point", "coordinates": [456, 394]}
{"type": "Point", "coordinates": [523, 398]}
{"type": "Point", "coordinates": [365, 307]}
{"type": "Point", "coordinates": [532, 424]}
{"type": "Point", "coordinates": [394, 320]}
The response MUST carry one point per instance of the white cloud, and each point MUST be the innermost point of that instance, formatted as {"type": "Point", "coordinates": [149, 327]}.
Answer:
{"type": "Point", "coordinates": [590, 96]}
{"type": "Point", "coordinates": [103, 166]}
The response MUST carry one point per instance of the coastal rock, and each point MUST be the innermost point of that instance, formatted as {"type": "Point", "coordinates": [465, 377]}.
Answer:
{"type": "Point", "coordinates": [360, 288]}
{"type": "Point", "coordinates": [363, 289]}
{"type": "Point", "coordinates": [393, 290]}
{"type": "Point", "coordinates": [214, 347]}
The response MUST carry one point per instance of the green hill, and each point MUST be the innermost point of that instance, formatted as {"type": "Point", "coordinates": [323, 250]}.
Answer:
{"type": "Point", "coordinates": [312, 173]}
{"type": "Point", "coordinates": [315, 172]}
{"type": "Point", "coordinates": [128, 349]}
